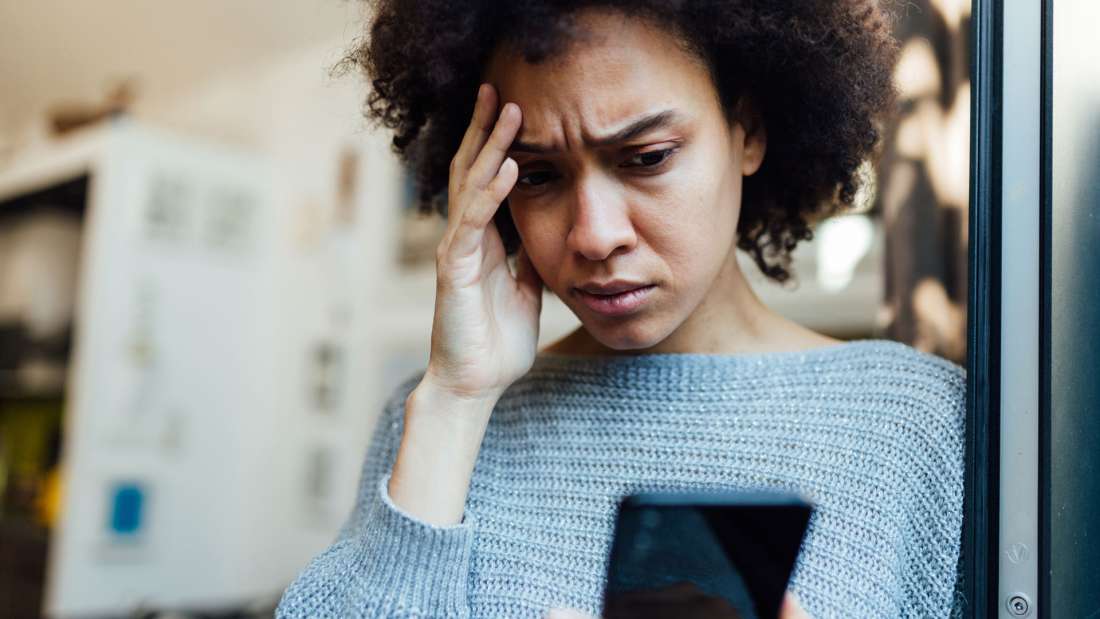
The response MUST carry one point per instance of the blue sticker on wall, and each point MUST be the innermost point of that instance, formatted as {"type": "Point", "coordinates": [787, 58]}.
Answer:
{"type": "Point", "coordinates": [127, 503]}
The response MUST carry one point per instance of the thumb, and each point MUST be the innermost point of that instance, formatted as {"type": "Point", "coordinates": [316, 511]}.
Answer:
{"type": "Point", "coordinates": [792, 609]}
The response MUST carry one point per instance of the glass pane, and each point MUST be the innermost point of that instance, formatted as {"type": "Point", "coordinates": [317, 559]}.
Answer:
{"type": "Point", "coordinates": [1075, 312]}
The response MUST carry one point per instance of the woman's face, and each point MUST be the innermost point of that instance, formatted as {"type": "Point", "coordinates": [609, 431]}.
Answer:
{"type": "Point", "coordinates": [628, 172]}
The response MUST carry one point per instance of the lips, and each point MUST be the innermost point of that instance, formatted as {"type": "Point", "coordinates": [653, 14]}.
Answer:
{"type": "Point", "coordinates": [610, 288]}
{"type": "Point", "coordinates": [629, 299]}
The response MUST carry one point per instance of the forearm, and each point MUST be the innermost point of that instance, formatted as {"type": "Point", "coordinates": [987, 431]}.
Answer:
{"type": "Point", "coordinates": [435, 461]}
{"type": "Point", "coordinates": [384, 563]}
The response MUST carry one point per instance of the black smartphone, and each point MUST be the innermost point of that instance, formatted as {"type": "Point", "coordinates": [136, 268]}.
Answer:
{"type": "Point", "coordinates": [706, 555]}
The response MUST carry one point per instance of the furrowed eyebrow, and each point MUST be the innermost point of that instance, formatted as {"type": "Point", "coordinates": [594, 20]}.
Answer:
{"type": "Point", "coordinates": [643, 125]}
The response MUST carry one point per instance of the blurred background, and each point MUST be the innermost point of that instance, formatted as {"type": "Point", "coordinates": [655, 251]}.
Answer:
{"type": "Point", "coordinates": [212, 274]}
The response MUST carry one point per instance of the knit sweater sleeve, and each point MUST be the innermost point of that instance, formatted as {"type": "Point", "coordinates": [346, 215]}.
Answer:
{"type": "Point", "coordinates": [384, 561]}
{"type": "Point", "coordinates": [936, 515]}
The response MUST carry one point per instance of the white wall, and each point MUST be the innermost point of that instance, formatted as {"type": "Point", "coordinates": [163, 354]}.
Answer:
{"type": "Point", "coordinates": [301, 120]}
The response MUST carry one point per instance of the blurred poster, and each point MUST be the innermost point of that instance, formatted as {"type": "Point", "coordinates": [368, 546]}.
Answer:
{"type": "Point", "coordinates": [924, 181]}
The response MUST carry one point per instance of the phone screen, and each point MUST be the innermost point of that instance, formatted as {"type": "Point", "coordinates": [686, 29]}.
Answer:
{"type": "Point", "coordinates": [722, 555]}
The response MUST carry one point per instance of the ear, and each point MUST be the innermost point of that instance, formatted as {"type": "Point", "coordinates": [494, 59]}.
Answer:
{"type": "Point", "coordinates": [754, 135]}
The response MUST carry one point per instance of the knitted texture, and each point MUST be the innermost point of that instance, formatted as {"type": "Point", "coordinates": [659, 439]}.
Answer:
{"type": "Point", "coordinates": [870, 431]}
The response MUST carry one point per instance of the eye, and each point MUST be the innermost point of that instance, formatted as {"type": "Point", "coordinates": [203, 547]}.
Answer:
{"type": "Point", "coordinates": [649, 159]}
{"type": "Point", "coordinates": [535, 178]}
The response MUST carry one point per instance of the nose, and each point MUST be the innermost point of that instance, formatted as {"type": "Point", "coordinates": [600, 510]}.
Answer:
{"type": "Point", "coordinates": [601, 220]}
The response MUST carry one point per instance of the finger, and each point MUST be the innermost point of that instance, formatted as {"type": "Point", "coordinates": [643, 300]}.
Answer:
{"type": "Point", "coordinates": [476, 207]}
{"type": "Point", "coordinates": [792, 609]}
{"type": "Point", "coordinates": [469, 241]}
{"type": "Point", "coordinates": [488, 161]}
{"type": "Point", "coordinates": [477, 132]}
{"type": "Point", "coordinates": [481, 204]}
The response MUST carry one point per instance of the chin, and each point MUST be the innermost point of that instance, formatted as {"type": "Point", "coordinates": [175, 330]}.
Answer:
{"type": "Point", "coordinates": [626, 336]}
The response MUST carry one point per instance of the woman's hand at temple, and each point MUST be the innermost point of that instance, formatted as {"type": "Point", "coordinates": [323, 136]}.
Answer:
{"type": "Point", "coordinates": [791, 609]}
{"type": "Point", "coordinates": [486, 324]}
{"type": "Point", "coordinates": [484, 332]}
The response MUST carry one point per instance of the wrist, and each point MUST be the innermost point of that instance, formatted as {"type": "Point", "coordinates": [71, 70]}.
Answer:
{"type": "Point", "coordinates": [432, 389]}
{"type": "Point", "coordinates": [462, 413]}
{"type": "Point", "coordinates": [435, 461]}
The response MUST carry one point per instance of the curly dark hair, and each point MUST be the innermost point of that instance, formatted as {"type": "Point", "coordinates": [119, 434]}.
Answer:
{"type": "Point", "coordinates": [820, 72]}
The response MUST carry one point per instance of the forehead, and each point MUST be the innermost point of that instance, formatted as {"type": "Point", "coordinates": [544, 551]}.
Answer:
{"type": "Point", "coordinates": [621, 67]}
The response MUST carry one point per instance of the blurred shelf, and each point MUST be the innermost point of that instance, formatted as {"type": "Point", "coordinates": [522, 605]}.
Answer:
{"type": "Point", "coordinates": [23, 550]}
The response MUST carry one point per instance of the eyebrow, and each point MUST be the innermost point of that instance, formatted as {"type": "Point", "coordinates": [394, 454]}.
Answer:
{"type": "Point", "coordinates": [643, 125]}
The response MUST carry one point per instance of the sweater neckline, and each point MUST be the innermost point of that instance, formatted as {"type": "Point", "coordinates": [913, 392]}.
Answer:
{"type": "Point", "coordinates": [694, 362]}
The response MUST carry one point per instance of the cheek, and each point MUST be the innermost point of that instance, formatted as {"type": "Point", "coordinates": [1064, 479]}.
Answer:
{"type": "Point", "coordinates": [542, 239]}
{"type": "Point", "coordinates": [693, 217]}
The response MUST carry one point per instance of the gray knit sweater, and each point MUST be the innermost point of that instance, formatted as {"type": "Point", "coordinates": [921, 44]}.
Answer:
{"type": "Point", "coordinates": [870, 431]}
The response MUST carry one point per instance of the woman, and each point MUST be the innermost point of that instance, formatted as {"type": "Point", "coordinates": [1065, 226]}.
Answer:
{"type": "Point", "coordinates": [626, 151]}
